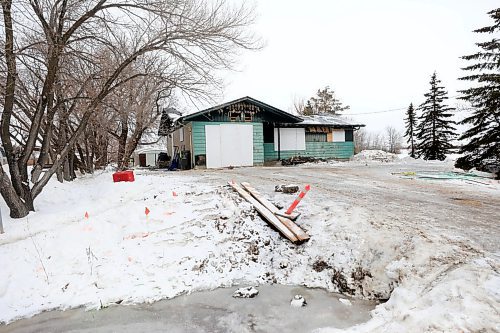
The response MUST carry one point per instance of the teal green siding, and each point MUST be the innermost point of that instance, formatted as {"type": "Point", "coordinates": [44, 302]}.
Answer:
{"type": "Point", "coordinates": [338, 150]}
{"type": "Point", "coordinates": [199, 143]}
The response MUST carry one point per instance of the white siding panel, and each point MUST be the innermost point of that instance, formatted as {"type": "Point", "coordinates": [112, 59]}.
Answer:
{"type": "Point", "coordinates": [213, 149]}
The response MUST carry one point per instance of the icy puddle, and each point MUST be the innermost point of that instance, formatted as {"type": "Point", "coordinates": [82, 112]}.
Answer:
{"type": "Point", "coordinates": [211, 311]}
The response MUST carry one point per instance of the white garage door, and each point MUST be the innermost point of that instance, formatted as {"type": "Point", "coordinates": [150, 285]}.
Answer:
{"type": "Point", "coordinates": [229, 145]}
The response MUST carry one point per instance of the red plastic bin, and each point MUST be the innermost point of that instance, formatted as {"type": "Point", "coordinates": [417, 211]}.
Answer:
{"type": "Point", "coordinates": [123, 176]}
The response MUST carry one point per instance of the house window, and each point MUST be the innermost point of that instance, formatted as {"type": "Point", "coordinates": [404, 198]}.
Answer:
{"type": "Point", "coordinates": [234, 116]}
{"type": "Point", "coordinates": [181, 134]}
{"type": "Point", "coordinates": [349, 135]}
{"type": "Point", "coordinates": [315, 137]}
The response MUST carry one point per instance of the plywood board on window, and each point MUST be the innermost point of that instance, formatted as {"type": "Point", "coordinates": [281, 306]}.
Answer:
{"type": "Point", "coordinates": [290, 139]}
{"type": "Point", "coordinates": [338, 135]}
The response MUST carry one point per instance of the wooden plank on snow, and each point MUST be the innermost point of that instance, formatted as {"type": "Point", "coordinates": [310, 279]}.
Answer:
{"type": "Point", "coordinates": [266, 213]}
{"type": "Point", "coordinates": [301, 235]}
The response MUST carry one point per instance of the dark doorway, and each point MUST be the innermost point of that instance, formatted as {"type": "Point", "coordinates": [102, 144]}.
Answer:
{"type": "Point", "coordinates": [268, 129]}
{"type": "Point", "coordinates": [142, 160]}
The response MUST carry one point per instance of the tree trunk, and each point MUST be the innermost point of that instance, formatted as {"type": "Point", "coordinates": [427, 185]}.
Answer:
{"type": "Point", "coordinates": [122, 144]}
{"type": "Point", "coordinates": [67, 174]}
{"type": "Point", "coordinates": [59, 175]}
{"type": "Point", "coordinates": [17, 207]}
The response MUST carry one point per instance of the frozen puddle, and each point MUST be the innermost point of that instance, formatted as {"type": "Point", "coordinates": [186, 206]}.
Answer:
{"type": "Point", "coordinates": [211, 311]}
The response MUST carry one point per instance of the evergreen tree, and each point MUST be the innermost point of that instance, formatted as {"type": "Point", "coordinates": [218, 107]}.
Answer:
{"type": "Point", "coordinates": [308, 109]}
{"type": "Point", "coordinates": [482, 150]}
{"type": "Point", "coordinates": [411, 124]}
{"type": "Point", "coordinates": [325, 101]}
{"type": "Point", "coordinates": [435, 130]}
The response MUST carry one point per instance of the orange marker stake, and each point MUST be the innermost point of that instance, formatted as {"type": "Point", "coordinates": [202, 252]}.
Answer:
{"type": "Point", "coordinates": [87, 215]}
{"type": "Point", "coordinates": [296, 202]}
{"type": "Point", "coordinates": [147, 211]}
{"type": "Point", "coordinates": [174, 194]}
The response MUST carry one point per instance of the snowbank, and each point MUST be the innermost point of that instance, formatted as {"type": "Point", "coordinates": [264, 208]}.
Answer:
{"type": "Point", "coordinates": [200, 235]}
{"type": "Point", "coordinates": [374, 156]}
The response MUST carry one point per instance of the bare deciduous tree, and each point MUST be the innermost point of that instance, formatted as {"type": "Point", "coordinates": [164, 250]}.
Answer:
{"type": "Point", "coordinates": [394, 140]}
{"type": "Point", "coordinates": [361, 140]}
{"type": "Point", "coordinates": [299, 104]}
{"type": "Point", "coordinates": [58, 52]}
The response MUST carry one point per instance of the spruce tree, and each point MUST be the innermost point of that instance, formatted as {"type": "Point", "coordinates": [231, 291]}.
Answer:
{"type": "Point", "coordinates": [411, 124]}
{"type": "Point", "coordinates": [435, 130]}
{"type": "Point", "coordinates": [482, 149]}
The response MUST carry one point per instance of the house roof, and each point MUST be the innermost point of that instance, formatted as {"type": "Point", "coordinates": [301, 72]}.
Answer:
{"type": "Point", "coordinates": [328, 120]}
{"type": "Point", "coordinates": [287, 119]}
{"type": "Point", "coordinates": [287, 116]}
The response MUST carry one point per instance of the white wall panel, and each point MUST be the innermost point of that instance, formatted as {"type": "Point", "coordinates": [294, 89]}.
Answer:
{"type": "Point", "coordinates": [229, 145]}
{"type": "Point", "coordinates": [290, 139]}
{"type": "Point", "coordinates": [151, 159]}
{"type": "Point", "coordinates": [236, 145]}
{"type": "Point", "coordinates": [213, 148]}
{"type": "Point", "coordinates": [338, 135]}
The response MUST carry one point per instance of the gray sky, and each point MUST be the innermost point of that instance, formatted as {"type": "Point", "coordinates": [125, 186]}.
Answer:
{"type": "Point", "coordinates": [376, 55]}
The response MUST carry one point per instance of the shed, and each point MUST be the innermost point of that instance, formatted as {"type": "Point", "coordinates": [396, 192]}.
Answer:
{"type": "Point", "coordinates": [147, 156]}
{"type": "Point", "coordinates": [248, 132]}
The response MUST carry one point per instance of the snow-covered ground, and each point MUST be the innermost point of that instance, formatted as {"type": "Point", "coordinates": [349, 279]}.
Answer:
{"type": "Point", "coordinates": [428, 246]}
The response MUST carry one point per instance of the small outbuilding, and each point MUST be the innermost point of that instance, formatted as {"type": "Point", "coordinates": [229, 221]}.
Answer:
{"type": "Point", "coordinates": [147, 156]}
{"type": "Point", "coordinates": [248, 132]}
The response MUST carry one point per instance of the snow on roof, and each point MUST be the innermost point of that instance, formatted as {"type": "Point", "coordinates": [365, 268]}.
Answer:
{"type": "Point", "coordinates": [159, 146]}
{"type": "Point", "coordinates": [145, 150]}
{"type": "Point", "coordinates": [328, 120]}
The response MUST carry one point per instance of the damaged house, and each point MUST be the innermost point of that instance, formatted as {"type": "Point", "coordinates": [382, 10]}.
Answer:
{"type": "Point", "coordinates": [248, 132]}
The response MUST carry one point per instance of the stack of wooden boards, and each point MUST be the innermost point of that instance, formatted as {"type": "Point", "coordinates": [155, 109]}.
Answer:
{"type": "Point", "coordinates": [270, 213]}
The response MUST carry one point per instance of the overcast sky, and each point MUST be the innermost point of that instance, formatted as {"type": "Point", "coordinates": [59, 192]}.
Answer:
{"type": "Point", "coordinates": [376, 55]}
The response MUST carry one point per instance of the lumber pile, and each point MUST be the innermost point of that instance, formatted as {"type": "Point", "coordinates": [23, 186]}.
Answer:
{"type": "Point", "coordinates": [269, 212]}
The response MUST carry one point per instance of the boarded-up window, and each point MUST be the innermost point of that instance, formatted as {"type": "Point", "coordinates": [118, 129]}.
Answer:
{"type": "Point", "coordinates": [349, 135]}
{"type": "Point", "coordinates": [290, 139]}
{"type": "Point", "coordinates": [315, 137]}
{"type": "Point", "coordinates": [338, 135]}
{"type": "Point", "coordinates": [248, 116]}
{"type": "Point", "coordinates": [234, 116]}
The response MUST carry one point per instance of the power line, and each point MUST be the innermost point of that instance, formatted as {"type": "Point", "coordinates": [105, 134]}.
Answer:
{"type": "Point", "coordinates": [384, 111]}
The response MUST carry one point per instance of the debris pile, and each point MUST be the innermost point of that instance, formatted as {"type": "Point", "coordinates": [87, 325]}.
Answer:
{"type": "Point", "coordinates": [289, 189]}
{"type": "Point", "coordinates": [271, 213]}
{"type": "Point", "coordinates": [300, 160]}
